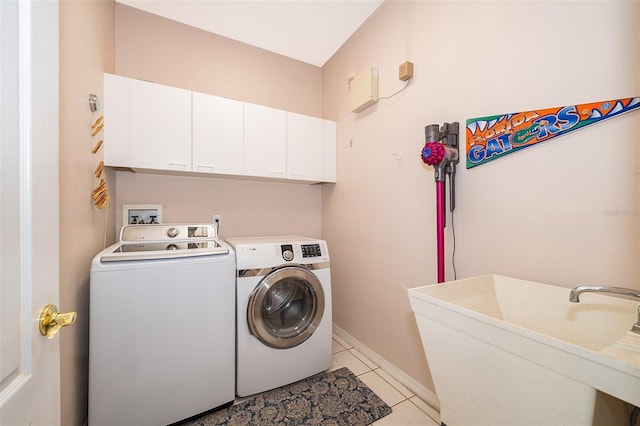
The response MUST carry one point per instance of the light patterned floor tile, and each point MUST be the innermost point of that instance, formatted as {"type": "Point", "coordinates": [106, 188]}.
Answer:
{"type": "Point", "coordinates": [429, 410]}
{"type": "Point", "coordinates": [396, 384]}
{"type": "Point", "coordinates": [406, 414]}
{"type": "Point", "coordinates": [343, 342]}
{"type": "Point", "coordinates": [347, 359]}
{"type": "Point", "coordinates": [408, 409]}
{"type": "Point", "coordinates": [382, 388]}
{"type": "Point", "coordinates": [372, 365]}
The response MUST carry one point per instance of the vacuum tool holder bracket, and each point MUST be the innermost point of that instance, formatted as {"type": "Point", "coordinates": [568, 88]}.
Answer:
{"type": "Point", "coordinates": [441, 152]}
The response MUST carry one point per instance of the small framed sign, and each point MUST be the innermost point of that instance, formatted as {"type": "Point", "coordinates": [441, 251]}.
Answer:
{"type": "Point", "coordinates": [141, 214]}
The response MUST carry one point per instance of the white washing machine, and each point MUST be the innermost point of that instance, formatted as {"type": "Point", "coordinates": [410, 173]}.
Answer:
{"type": "Point", "coordinates": [162, 326]}
{"type": "Point", "coordinates": [283, 311]}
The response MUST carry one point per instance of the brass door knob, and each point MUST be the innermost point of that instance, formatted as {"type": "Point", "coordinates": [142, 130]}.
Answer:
{"type": "Point", "coordinates": [51, 320]}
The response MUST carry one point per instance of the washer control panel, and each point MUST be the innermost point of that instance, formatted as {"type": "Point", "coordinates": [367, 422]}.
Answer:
{"type": "Point", "coordinates": [162, 232]}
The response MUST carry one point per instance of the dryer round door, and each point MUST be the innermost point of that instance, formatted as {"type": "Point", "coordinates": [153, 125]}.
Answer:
{"type": "Point", "coordinates": [286, 307]}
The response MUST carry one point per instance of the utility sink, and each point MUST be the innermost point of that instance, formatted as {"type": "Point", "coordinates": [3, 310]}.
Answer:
{"type": "Point", "coordinates": [505, 351]}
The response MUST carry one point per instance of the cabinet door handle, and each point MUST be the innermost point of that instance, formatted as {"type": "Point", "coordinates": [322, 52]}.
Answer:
{"type": "Point", "coordinates": [177, 166]}
{"type": "Point", "coordinates": [204, 168]}
{"type": "Point", "coordinates": [276, 173]}
{"type": "Point", "coordinates": [297, 175]}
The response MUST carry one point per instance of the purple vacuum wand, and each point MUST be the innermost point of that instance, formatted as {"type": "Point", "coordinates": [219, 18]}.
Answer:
{"type": "Point", "coordinates": [441, 152]}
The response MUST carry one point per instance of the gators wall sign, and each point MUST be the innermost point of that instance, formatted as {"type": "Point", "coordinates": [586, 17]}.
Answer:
{"type": "Point", "coordinates": [494, 136]}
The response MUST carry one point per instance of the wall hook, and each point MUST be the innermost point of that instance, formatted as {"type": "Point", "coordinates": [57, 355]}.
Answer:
{"type": "Point", "coordinates": [94, 102]}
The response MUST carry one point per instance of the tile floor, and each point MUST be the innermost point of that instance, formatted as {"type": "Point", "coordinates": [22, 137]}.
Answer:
{"type": "Point", "coordinates": [407, 408]}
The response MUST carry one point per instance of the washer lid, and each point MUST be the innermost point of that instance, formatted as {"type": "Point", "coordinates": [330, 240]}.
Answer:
{"type": "Point", "coordinates": [145, 250]}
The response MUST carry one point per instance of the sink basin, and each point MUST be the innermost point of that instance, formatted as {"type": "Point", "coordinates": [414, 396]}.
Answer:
{"type": "Point", "coordinates": [508, 351]}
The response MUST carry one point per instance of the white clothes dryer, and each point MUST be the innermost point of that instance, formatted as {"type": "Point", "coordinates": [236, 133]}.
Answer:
{"type": "Point", "coordinates": [283, 311]}
{"type": "Point", "coordinates": [161, 326]}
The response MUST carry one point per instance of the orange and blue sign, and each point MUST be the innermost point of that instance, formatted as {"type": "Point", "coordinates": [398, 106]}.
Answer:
{"type": "Point", "coordinates": [492, 137]}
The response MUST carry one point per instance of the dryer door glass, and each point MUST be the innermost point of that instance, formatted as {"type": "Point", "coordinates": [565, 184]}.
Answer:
{"type": "Point", "coordinates": [286, 307]}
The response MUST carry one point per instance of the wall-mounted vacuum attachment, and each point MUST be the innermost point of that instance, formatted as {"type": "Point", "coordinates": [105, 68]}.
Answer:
{"type": "Point", "coordinates": [441, 152]}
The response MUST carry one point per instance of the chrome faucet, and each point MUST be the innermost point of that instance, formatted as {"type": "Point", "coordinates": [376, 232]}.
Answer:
{"type": "Point", "coordinates": [574, 296]}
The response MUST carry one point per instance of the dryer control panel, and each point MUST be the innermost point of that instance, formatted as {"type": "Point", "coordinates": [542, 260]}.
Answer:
{"type": "Point", "coordinates": [303, 252]}
{"type": "Point", "coordinates": [287, 252]}
{"type": "Point", "coordinates": [271, 252]}
{"type": "Point", "coordinates": [311, 250]}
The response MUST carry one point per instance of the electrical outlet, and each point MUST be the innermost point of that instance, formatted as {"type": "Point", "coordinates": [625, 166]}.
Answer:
{"type": "Point", "coordinates": [217, 219]}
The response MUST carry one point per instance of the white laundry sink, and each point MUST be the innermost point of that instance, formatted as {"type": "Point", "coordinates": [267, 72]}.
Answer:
{"type": "Point", "coordinates": [504, 351]}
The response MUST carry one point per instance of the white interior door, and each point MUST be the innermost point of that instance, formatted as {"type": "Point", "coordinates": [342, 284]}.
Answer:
{"type": "Point", "coordinates": [29, 362]}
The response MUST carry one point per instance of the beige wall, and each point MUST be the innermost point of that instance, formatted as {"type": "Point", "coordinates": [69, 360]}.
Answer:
{"type": "Point", "coordinates": [248, 208]}
{"type": "Point", "coordinates": [152, 48]}
{"type": "Point", "coordinates": [86, 51]}
{"type": "Point", "coordinates": [564, 212]}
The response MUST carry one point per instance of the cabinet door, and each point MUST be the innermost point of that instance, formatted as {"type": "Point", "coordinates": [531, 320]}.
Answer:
{"type": "Point", "coordinates": [329, 151]}
{"type": "Point", "coordinates": [116, 121]}
{"type": "Point", "coordinates": [160, 127]}
{"type": "Point", "coordinates": [265, 149]}
{"type": "Point", "coordinates": [217, 134]}
{"type": "Point", "coordinates": [304, 147]}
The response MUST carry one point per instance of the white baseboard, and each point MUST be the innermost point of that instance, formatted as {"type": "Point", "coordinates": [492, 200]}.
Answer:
{"type": "Point", "coordinates": [413, 385]}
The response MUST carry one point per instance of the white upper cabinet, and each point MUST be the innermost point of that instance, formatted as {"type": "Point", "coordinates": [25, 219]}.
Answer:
{"type": "Point", "coordinates": [160, 126]}
{"type": "Point", "coordinates": [156, 127]}
{"type": "Point", "coordinates": [304, 147]}
{"type": "Point", "coordinates": [217, 135]}
{"type": "Point", "coordinates": [329, 151]}
{"type": "Point", "coordinates": [116, 122]}
{"type": "Point", "coordinates": [265, 141]}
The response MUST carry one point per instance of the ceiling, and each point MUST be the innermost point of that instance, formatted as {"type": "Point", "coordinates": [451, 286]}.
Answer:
{"type": "Point", "coordinates": [310, 31]}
